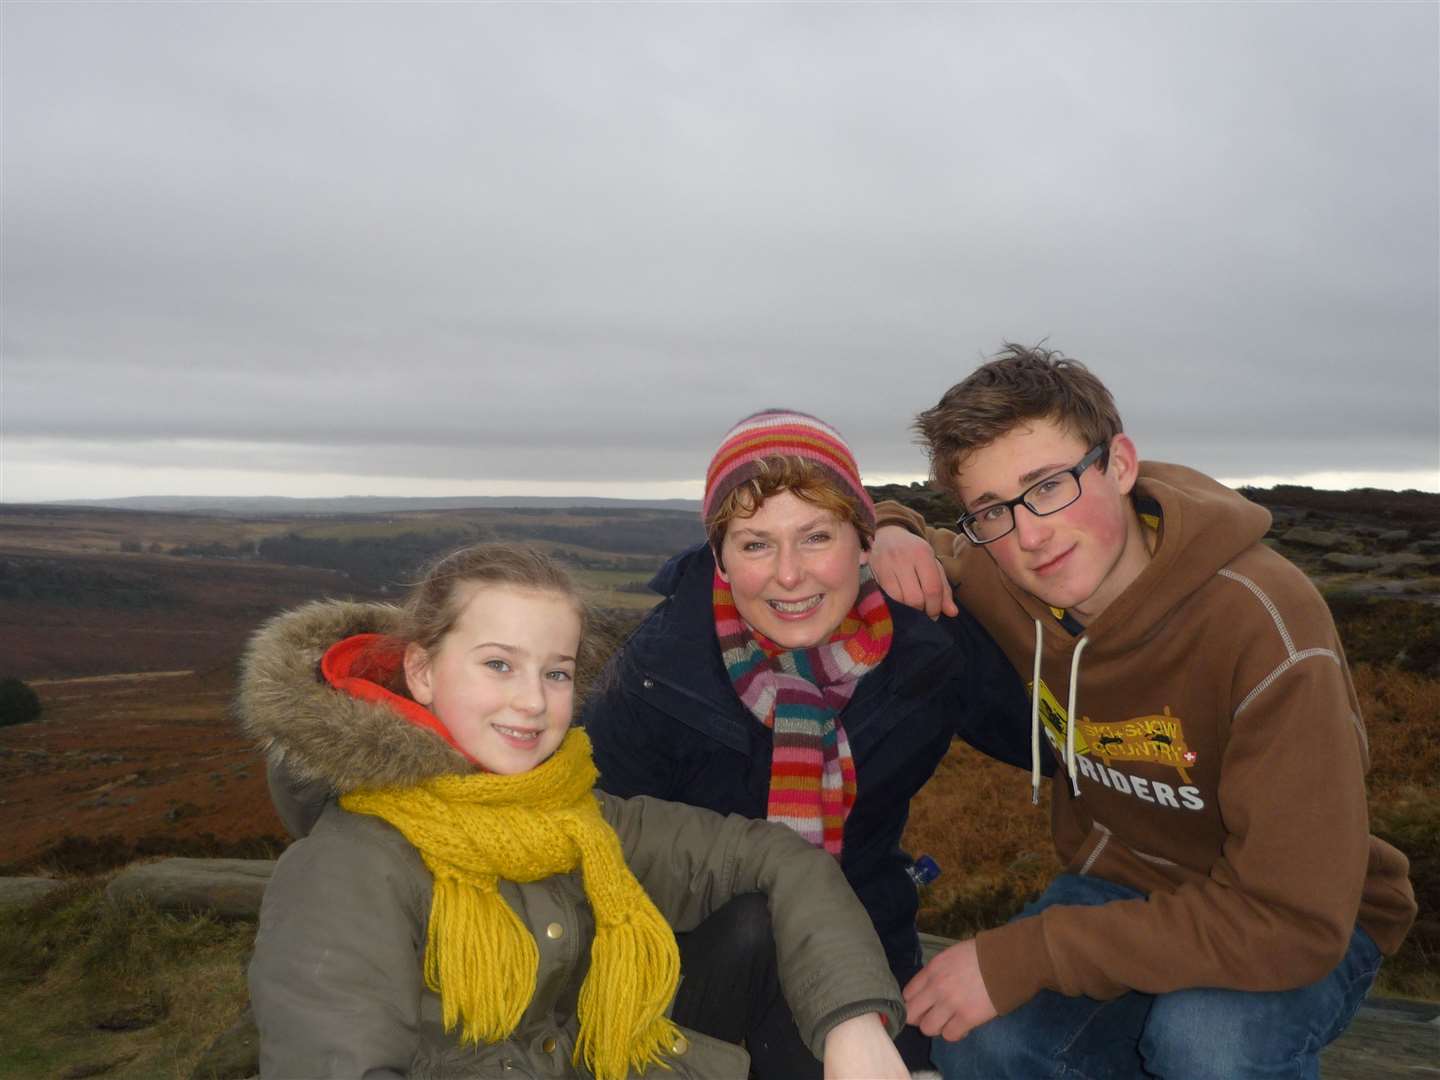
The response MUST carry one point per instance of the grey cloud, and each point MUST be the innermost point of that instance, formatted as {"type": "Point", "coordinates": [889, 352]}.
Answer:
{"type": "Point", "coordinates": [579, 241]}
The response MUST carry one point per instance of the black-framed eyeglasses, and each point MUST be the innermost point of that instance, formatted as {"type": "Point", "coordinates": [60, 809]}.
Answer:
{"type": "Point", "coordinates": [1048, 496]}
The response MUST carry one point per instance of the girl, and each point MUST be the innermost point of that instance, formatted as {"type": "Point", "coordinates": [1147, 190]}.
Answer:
{"type": "Point", "coordinates": [469, 906]}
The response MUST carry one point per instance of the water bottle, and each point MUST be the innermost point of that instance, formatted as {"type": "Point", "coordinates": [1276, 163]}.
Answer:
{"type": "Point", "coordinates": [923, 870]}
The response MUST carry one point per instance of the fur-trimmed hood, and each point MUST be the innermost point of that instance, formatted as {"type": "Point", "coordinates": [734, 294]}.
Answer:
{"type": "Point", "coordinates": [320, 734]}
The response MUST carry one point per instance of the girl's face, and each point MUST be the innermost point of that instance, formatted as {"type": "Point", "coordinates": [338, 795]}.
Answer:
{"type": "Point", "coordinates": [503, 679]}
{"type": "Point", "coordinates": [794, 570]}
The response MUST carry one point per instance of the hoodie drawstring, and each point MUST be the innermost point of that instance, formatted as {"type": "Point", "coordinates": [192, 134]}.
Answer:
{"type": "Point", "coordinates": [1035, 720]}
{"type": "Point", "coordinates": [1070, 719]}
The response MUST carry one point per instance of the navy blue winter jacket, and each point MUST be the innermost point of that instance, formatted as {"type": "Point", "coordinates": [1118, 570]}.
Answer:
{"type": "Point", "coordinates": [666, 721]}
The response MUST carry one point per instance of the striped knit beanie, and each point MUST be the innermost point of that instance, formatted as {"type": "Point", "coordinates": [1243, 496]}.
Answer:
{"type": "Point", "coordinates": [783, 433]}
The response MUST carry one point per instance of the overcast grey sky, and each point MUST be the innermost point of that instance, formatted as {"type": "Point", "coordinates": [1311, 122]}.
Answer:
{"type": "Point", "coordinates": [451, 248]}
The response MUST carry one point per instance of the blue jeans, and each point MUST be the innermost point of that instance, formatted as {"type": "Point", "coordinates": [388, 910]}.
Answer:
{"type": "Point", "coordinates": [1184, 1035]}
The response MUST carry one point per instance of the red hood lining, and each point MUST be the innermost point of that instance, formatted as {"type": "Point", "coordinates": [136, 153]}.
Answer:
{"type": "Point", "coordinates": [362, 664]}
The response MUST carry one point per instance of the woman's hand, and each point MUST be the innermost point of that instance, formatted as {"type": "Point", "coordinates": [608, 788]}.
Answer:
{"type": "Point", "coordinates": [859, 1049]}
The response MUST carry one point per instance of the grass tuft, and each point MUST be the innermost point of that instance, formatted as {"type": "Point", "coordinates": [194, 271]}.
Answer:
{"type": "Point", "coordinates": [980, 903]}
{"type": "Point", "coordinates": [1411, 821]}
{"type": "Point", "coordinates": [1395, 633]}
{"type": "Point", "coordinates": [122, 988]}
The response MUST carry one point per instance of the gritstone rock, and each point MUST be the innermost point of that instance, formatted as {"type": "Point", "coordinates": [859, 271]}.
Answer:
{"type": "Point", "coordinates": [230, 888]}
{"type": "Point", "coordinates": [1316, 538]}
{"type": "Point", "coordinates": [1338, 561]}
{"type": "Point", "coordinates": [25, 890]}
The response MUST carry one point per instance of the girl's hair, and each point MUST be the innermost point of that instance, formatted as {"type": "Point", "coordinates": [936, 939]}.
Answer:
{"type": "Point", "coordinates": [434, 603]}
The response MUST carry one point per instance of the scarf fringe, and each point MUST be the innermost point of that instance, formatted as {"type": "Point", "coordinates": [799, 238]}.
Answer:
{"type": "Point", "coordinates": [486, 976]}
{"type": "Point", "coordinates": [622, 1021]}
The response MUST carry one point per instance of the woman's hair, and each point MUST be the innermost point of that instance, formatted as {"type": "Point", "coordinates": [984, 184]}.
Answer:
{"type": "Point", "coordinates": [431, 609]}
{"type": "Point", "coordinates": [778, 450]}
{"type": "Point", "coordinates": [802, 478]}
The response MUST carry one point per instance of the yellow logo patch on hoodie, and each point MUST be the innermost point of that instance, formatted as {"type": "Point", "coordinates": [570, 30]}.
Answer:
{"type": "Point", "coordinates": [1158, 739]}
{"type": "Point", "coordinates": [1052, 715]}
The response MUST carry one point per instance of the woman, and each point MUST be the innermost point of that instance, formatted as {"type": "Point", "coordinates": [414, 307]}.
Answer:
{"type": "Point", "coordinates": [774, 681]}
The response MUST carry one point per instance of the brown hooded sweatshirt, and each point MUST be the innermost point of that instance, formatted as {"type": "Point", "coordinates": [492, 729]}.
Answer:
{"type": "Point", "coordinates": [1219, 764]}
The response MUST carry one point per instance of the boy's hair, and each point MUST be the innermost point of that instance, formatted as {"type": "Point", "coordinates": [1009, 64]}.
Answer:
{"type": "Point", "coordinates": [1017, 384]}
{"type": "Point", "coordinates": [433, 605]}
{"type": "Point", "coordinates": [784, 472]}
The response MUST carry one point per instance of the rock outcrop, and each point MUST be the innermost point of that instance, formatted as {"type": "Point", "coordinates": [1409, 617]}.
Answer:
{"type": "Point", "coordinates": [230, 888]}
{"type": "Point", "coordinates": [18, 891]}
{"type": "Point", "coordinates": [1323, 539]}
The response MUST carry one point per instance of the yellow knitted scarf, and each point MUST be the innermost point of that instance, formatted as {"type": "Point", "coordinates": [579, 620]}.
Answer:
{"type": "Point", "coordinates": [480, 958]}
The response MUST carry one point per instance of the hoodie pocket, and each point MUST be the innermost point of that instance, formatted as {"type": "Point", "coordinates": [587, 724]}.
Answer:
{"type": "Point", "coordinates": [1104, 855]}
{"type": "Point", "coordinates": [1090, 851]}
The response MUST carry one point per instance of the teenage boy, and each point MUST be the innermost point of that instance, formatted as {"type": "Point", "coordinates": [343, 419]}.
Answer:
{"type": "Point", "coordinates": [1223, 906]}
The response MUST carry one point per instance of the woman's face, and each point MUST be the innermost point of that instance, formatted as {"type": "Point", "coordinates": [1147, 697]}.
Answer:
{"type": "Point", "coordinates": [502, 681]}
{"type": "Point", "coordinates": [794, 569]}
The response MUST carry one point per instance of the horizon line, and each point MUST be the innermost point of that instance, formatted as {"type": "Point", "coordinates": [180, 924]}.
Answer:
{"type": "Point", "coordinates": [1421, 481]}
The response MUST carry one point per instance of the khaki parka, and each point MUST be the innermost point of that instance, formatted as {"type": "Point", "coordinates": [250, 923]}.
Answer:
{"type": "Point", "coordinates": [336, 979]}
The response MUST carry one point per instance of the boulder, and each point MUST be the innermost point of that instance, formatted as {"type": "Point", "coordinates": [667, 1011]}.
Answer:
{"type": "Point", "coordinates": [1316, 538]}
{"type": "Point", "coordinates": [1336, 560]}
{"type": "Point", "coordinates": [1394, 536]}
{"type": "Point", "coordinates": [23, 891]}
{"type": "Point", "coordinates": [229, 888]}
{"type": "Point", "coordinates": [932, 945]}
{"type": "Point", "coordinates": [1404, 560]}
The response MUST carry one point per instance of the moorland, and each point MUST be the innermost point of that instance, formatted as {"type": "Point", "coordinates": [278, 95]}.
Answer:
{"type": "Point", "coordinates": [129, 623]}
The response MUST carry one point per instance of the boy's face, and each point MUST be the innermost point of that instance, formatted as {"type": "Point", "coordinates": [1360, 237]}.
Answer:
{"type": "Point", "coordinates": [1079, 558]}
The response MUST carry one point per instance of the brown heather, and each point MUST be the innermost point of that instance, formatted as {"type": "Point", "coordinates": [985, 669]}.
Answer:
{"type": "Point", "coordinates": [1402, 716]}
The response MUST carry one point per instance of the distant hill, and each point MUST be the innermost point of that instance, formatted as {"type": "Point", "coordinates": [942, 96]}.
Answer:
{"type": "Point", "coordinates": [284, 506]}
{"type": "Point", "coordinates": [88, 590]}
{"type": "Point", "coordinates": [1413, 508]}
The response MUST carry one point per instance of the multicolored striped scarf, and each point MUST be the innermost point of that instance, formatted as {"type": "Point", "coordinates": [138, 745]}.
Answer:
{"type": "Point", "coordinates": [798, 694]}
